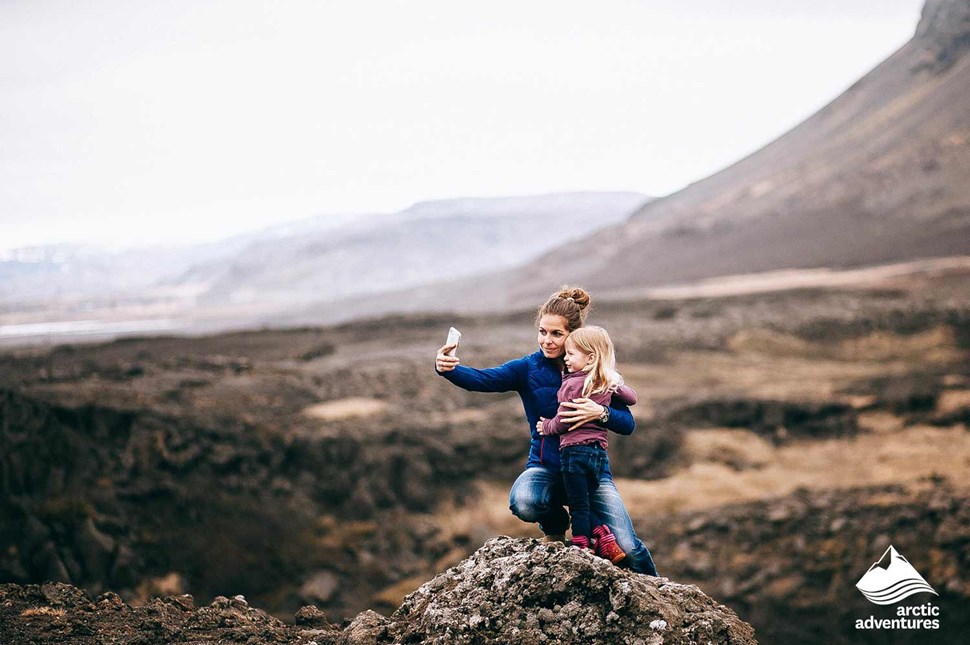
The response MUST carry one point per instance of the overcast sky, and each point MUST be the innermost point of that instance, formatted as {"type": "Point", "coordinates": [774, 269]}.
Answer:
{"type": "Point", "coordinates": [137, 122]}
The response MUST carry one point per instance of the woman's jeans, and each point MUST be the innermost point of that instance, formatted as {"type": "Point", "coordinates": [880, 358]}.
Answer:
{"type": "Point", "coordinates": [582, 468]}
{"type": "Point", "coordinates": [538, 495]}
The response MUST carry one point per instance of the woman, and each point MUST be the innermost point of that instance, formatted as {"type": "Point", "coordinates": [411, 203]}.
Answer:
{"type": "Point", "coordinates": [538, 494]}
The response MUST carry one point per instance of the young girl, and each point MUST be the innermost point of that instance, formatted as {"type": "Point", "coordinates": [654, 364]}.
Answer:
{"type": "Point", "coordinates": [591, 373]}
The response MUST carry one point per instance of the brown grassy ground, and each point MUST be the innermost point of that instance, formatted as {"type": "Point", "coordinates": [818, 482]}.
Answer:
{"type": "Point", "coordinates": [380, 473]}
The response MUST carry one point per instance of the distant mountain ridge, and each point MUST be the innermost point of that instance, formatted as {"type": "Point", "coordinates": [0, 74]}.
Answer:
{"type": "Point", "coordinates": [261, 278]}
{"type": "Point", "coordinates": [427, 242]}
{"type": "Point", "coordinates": [877, 176]}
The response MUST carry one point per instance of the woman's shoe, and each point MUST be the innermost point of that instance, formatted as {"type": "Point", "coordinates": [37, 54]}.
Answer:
{"type": "Point", "coordinates": [606, 546]}
{"type": "Point", "coordinates": [554, 537]}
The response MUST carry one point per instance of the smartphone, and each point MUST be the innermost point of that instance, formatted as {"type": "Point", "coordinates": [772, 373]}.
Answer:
{"type": "Point", "coordinates": [454, 337]}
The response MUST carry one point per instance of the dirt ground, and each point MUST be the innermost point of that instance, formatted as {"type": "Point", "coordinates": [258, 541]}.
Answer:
{"type": "Point", "coordinates": [153, 466]}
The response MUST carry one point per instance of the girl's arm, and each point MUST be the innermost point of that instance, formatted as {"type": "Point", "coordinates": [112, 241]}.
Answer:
{"type": "Point", "coordinates": [569, 390]}
{"type": "Point", "coordinates": [625, 395]}
{"type": "Point", "coordinates": [553, 425]}
{"type": "Point", "coordinates": [621, 419]}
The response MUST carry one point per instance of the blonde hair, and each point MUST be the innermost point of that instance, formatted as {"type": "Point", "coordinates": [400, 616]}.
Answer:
{"type": "Point", "coordinates": [602, 375]}
{"type": "Point", "coordinates": [572, 303]}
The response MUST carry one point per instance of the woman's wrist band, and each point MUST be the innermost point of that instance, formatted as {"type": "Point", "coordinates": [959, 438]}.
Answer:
{"type": "Point", "coordinates": [605, 417]}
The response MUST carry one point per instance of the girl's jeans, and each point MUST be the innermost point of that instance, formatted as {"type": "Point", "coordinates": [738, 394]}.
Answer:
{"type": "Point", "coordinates": [538, 495]}
{"type": "Point", "coordinates": [582, 468]}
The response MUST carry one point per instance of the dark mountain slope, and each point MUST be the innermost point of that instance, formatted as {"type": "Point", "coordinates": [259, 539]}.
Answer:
{"type": "Point", "coordinates": [879, 175]}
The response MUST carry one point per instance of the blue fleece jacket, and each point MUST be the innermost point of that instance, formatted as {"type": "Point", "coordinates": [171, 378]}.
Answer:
{"type": "Point", "coordinates": [537, 380]}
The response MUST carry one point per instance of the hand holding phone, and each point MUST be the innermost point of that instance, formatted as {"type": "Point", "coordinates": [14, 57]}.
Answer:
{"type": "Point", "coordinates": [454, 338]}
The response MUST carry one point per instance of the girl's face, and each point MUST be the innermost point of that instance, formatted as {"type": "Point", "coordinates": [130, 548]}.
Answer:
{"type": "Point", "coordinates": [576, 359]}
{"type": "Point", "coordinates": [552, 335]}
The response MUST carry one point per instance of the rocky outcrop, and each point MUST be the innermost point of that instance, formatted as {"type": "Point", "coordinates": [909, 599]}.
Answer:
{"type": "Point", "coordinates": [944, 31]}
{"type": "Point", "coordinates": [523, 591]}
{"type": "Point", "coordinates": [509, 591]}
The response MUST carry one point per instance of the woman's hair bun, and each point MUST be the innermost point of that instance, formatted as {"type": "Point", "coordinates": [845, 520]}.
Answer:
{"type": "Point", "coordinates": [577, 295]}
{"type": "Point", "coordinates": [572, 303]}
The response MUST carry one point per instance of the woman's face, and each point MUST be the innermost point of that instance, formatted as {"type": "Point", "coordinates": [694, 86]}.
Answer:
{"type": "Point", "coordinates": [552, 335]}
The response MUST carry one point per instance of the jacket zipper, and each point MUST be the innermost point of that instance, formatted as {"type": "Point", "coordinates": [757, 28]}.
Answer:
{"type": "Point", "coordinates": [542, 442]}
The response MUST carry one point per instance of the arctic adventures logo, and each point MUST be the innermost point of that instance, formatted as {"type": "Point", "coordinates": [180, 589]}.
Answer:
{"type": "Point", "coordinates": [889, 580]}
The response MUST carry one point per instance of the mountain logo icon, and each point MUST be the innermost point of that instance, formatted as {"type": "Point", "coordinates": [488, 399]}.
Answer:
{"type": "Point", "coordinates": [891, 579]}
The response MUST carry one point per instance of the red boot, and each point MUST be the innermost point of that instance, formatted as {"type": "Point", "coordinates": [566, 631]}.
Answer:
{"type": "Point", "coordinates": [606, 546]}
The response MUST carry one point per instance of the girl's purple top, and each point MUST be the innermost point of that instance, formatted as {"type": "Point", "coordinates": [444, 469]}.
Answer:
{"type": "Point", "coordinates": [590, 432]}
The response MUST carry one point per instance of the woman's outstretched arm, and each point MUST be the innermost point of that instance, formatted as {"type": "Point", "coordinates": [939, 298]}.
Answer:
{"type": "Point", "coordinates": [504, 378]}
